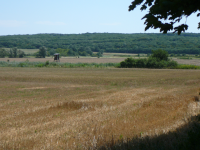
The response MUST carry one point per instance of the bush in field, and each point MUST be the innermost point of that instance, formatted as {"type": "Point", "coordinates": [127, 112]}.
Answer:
{"type": "Point", "coordinates": [160, 55]}
{"type": "Point", "coordinates": [158, 59]}
{"type": "Point", "coordinates": [172, 64]}
{"type": "Point", "coordinates": [128, 63]}
{"type": "Point", "coordinates": [141, 63]}
{"type": "Point", "coordinates": [47, 63]}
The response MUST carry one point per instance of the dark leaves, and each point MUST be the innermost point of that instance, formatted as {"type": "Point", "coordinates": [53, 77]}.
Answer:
{"type": "Point", "coordinates": [198, 25]}
{"type": "Point", "coordinates": [173, 10]}
{"type": "Point", "coordinates": [181, 28]}
{"type": "Point", "coordinates": [134, 4]}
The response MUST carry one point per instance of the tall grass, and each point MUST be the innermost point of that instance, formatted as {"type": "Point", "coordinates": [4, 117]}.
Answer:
{"type": "Point", "coordinates": [87, 65]}
{"type": "Point", "coordinates": [180, 66]}
{"type": "Point", "coordinates": [57, 64]}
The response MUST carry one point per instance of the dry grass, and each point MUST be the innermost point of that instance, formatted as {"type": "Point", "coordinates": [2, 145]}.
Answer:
{"type": "Point", "coordinates": [188, 61]}
{"type": "Point", "coordinates": [56, 108]}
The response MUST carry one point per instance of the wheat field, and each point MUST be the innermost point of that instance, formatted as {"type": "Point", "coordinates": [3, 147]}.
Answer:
{"type": "Point", "coordinates": [57, 108]}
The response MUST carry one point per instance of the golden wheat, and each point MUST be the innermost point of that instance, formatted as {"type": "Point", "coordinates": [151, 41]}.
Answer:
{"type": "Point", "coordinates": [56, 108]}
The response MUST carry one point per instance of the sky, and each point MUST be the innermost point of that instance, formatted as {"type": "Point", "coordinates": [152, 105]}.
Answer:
{"type": "Point", "coordinates": [75, 17]}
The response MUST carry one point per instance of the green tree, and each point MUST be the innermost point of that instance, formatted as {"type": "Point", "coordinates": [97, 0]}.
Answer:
{"type": "Point", "coordinates": [171, 10]}
{"type": "Point", "coordinates": [10, 55]}
{"type": "Point", "coordinates": [100, 53]}
{"type": "Point", "coordinates": [62, 52]}
{"type": "Point", "coordinates": [14, 51]}
{"type": "Point", "coordinates": [88, 50]}
{"type": "Point", "coordinates": [3, 53]}
{"type": "Point", "coordinates": [159, 55]}
{"type": "Point", "coordinates": [41, 53]}
{"type": "Point", "coordinates": [21, 53]}
{"type": "Point", "coordinates": [52, 51]}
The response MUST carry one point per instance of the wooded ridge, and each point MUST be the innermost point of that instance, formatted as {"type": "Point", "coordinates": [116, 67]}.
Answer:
{"type": "Point", "coordinates": [188, 43]}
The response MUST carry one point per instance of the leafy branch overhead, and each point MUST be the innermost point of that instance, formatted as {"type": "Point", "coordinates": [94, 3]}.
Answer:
{"type": "Point", "coordinates": [169, 10]}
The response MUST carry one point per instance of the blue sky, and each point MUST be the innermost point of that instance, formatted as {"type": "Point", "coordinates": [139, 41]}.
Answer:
{"type": "Point", "coordinates": [74, 16]}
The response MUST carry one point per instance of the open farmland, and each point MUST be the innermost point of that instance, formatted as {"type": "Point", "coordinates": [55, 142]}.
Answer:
{"type": "Point", "coordinates": [57, 108]}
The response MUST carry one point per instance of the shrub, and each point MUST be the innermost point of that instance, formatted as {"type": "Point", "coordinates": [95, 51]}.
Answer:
{"type": "Point", "coordinates": [141, 63]}
{"type": "Point", "coordinates": [160, 55]}
{"type": "Point", "coordinates": [40, 65]}
{"type": "Point", "coordinates": [152, 62]}
{"type": "Point", "coordinates": [22, 64]}
{"type": "Point", "coordinates": [172, 64]}
{"type": "Point", "coordinates": [128, 63]}
{"type": "Point", "coordinates": [47, 63]}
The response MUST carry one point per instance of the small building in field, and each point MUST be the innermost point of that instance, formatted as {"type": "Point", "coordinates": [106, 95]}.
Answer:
{"type": "Point", "coordinates": [56, 57]}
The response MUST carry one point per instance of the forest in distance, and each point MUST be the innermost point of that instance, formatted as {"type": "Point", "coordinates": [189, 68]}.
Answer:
{"type": "Point", "coordinates": [186, 43]}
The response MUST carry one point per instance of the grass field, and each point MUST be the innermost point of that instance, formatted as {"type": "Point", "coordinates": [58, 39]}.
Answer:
{"type": "Point", "coordinates": [92, 60]}
{"type": "Point", "coordinates": [57, 108]}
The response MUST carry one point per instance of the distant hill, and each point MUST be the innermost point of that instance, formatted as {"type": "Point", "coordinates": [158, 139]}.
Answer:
{"type": "Point", "coordinates": [188, 43]}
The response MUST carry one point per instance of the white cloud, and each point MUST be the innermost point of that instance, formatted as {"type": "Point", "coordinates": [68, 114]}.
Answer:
{"type": "Point", "coordinates": [50, 23]}
{"type": "Point", "coordinates": [111, 24]}
{"type": "Point", "coordinates": [11, 23]}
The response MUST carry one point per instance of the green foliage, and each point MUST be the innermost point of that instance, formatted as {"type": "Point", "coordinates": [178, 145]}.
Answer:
{"type": "Point", "coordinates": [21, 54]}
{"type": "Point", "coordinates": [3, 53]}
{"type": "Point", "coordinates": [14, 50]}
{"type": "Point", "coordinates": [173, 11]}
{"type": "Point", "coordinates": [21, 64]}
{"type": "Point", "coordinates": [187, 67]}
{"type": "Point", "coordinates": [51, 51]}
{"type": "Point", "coordinates": [47, 63]}
{"type": "Point", "coordinates": [62, 52]}
{"type": "Point", "coordinates": [85, 44]}
{"type": "Point", "coordinates": [54, 64]}
{"type": "Point", "coordinates": [160, 55]}
{"type": "Point", "coordinates": [100, 53]}
{"type": "Point", "coordinates": [159, 59]}
{"type": "Point", "coordinates": [41, 53]}
{"type": "Point", "coordinates": [14, 53]}
{"type": "Point", "coordinates": [10, 55]}
{"type": "Point", "coordinates": [40, 65]}
{"type": "Point", "coordinates": [128, 63]}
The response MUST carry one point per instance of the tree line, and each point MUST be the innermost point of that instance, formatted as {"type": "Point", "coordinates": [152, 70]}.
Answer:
{"type": "Point", "coordinates": [85, 44]}
{"type": "Point", "coordinates": [12, 53]}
